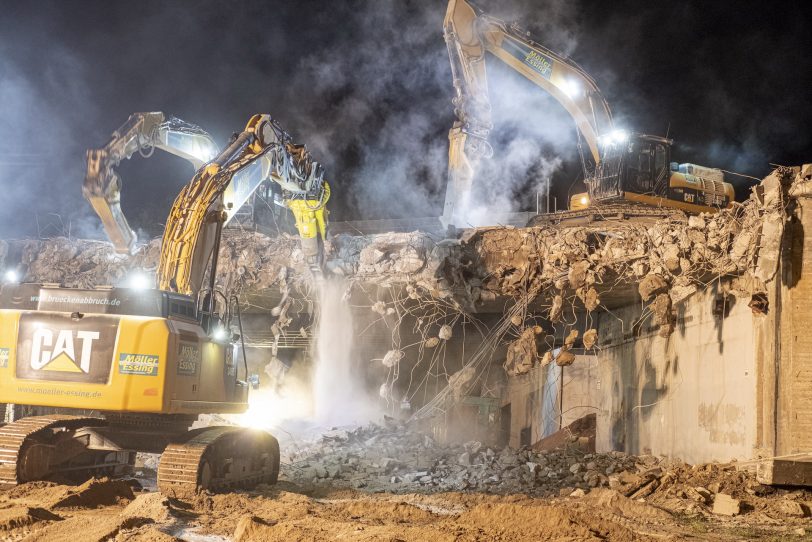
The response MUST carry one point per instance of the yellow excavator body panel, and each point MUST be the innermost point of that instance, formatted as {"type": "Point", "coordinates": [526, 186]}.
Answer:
{"type": "Point", "coordinates": [116, 363]}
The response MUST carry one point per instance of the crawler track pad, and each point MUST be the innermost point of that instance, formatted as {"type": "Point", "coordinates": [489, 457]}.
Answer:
{"type": "Point", "coordinates": [217, 459]}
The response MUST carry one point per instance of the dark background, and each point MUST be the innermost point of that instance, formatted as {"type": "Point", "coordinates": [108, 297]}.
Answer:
{"type": "Point", "coordinates": [366, 85]}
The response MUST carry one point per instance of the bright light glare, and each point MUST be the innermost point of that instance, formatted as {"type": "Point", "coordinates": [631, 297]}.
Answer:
{"type": "Point", "coordinates": [584, 200]}
{"type": "Point", "coordinates": [139, 281]}
{"type": "Point", "coordinates": [619, 136]}
{"type": "Point", "coordinates": [615, 137]}
{"type": "Point", "coordinates": [572, 88]}
{"type": "Point", "coordinates": [268, 408]}
{"type": "Point", "coordinates": [219, 334]}
{"type": "Point", "coordinates": [11, 276]}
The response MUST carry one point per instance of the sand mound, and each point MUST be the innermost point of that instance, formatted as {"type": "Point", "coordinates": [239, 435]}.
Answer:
{"type": "Point", "coordinates": [548, 523]}
{"type": "Point", "coordinates": [15, 517]}
{"type": "Point", "coordinates": [146, 534]}
{"type": "Point", "coordinates": [380, 512]}
{"type": "Point", "coordinates": [252, 528]}
{"type": "Point", "coordinates": [612, 501]}
{"type": "Point", "coordinates": [149, 506]}
{"type": "Point", "coordinates": [94, 493]}
{"type": "Point", "coordinates": [87, 528]}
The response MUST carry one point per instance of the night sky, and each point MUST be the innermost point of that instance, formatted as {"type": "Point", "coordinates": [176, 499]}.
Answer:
{"type": "Point", "coordinates": [367, 86]}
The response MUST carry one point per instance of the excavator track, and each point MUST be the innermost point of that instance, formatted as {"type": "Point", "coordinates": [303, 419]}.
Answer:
{"type": "Point", "coordinates": [36, 447]}
{"type": "Point", "coordinates": [616, 212]}
{"type": "Point", "coordinates": [216, 459]}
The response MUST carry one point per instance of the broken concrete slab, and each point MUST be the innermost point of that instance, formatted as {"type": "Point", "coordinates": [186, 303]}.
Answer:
{"type": "Point", "coordinates": [725, 505]}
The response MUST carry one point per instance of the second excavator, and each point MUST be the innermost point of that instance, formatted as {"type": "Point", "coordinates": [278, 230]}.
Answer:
{"type": "Point", "coordinates": [625, 173]}
{"type": "Point", "coordinates": [135, 368]}
{"type": "Point", "coordinates": [297, 178]}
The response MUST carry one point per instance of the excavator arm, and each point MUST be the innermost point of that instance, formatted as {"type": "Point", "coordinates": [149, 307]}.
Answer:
{"type": "Point", "coordinates": [263, 151]}
{"type": "Point", "coordinates": [142, 133]}
{"type": "Point", "coordinates": [469, 34]}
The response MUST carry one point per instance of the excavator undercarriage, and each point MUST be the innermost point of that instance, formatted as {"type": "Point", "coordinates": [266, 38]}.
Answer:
{"type": "Point", "coordinates": [74, 448]}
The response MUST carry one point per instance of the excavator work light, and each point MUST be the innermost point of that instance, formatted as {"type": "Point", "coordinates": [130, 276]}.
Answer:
{"type": "Point", "coordinates": [219, 334]}
{"type": "Point", "coordinates": [572, 88]}
{"type": "Point", "coordinates": [139, 281]}
{"type": "Point", "coordinates": [11, 276]}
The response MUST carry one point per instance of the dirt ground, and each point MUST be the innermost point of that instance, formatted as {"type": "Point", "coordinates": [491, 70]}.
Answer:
{"type": "Point", "coordinates": [104, 510]}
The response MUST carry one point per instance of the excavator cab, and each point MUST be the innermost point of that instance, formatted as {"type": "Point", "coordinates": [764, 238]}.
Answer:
{"type": "Point", "coordinates": [637, 168]}
{"type": "Point", "coordinates": [638, 164]}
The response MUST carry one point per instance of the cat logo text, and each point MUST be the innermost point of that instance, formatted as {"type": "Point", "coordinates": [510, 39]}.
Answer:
{"type": "Point", "coordinates": [63, 350]}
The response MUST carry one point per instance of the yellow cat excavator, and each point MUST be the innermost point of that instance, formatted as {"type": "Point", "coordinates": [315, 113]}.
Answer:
{"type": "Point", "coordinates": [625, 173]}
{"type": "Point", "coordinates": [148, 362]}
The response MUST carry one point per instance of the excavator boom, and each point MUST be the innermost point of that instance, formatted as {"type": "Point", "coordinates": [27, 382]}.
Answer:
{"type": "Point", "coordinates": [262, 151]}
{"type": "Point", "coordinates": [469, 34]}
{"type": "Point", "coordinates": [142, 133]}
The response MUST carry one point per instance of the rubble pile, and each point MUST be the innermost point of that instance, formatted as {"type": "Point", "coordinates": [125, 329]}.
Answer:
{"type": "Point", "coordinates": [247, 260]}
{"type": "Point", "coordinates": [74, 263]}
{"type": "Point", "coordinates": [666, 260]}
{"type": "Point", "coordinates": [395, 459]}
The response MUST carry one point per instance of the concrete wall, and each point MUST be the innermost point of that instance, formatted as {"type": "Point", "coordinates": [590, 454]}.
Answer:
{"type": "Point", "coordinates": [537, 399]}
{"type": "Point", "coordinates": [691, 395]}
{"type": "Point", "coordinates": [523, 402]}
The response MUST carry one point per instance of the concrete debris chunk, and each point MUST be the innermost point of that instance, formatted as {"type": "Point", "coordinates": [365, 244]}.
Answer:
{"type": "Point", "coordinates": [578, 274]}
{"type": "Point", "coordinates": [591, 300]}
{"type": "Point", "coordinates": [725, 505]}
{"type": "Point", "coordinates": [522, 353]}
{"type": "Point", "coordinates": [590, 338]}
{"type": "Point", "coordinates": [557, 309]}
{"type": "Point", "coordinates": [458, 381]}
{"type": "Point", "coordinates": [661, 310]}
{"type": "Point", "coordinates": [651, 285]}
{"type": "Point", "coordinates": [790, 508]}
{"type": "Point", "coordinates": [392, 358]}
{"type": "Point", "coordinates": [445, 332]}
{"type": "Point", "coordinates": [681, 292]}
{"type": "Point", "coordinates": [564, 358]}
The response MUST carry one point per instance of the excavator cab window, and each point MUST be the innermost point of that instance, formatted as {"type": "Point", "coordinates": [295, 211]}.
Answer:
{"type": "Point", "coordinates": [661, 168]}
{"type": "Point", "coordinates": [638, 171]}
{"type": "Point", "coordinates": [647, 167]}
{"type": "Point", "coordinates": [213, 311]}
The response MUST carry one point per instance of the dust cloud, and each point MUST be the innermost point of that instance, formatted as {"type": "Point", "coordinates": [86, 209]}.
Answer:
{"type": "Point", "coordinates": [338, 390]}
